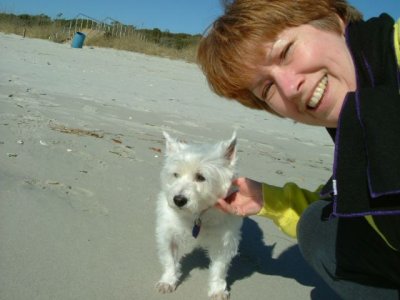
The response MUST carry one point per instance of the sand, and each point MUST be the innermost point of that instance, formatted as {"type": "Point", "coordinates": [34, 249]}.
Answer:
{"type": "Point", "coordinates": [81, 148]}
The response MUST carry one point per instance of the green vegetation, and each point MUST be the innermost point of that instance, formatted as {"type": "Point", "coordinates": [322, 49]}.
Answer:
{"type": "Point", "coordinates": [109, 34]}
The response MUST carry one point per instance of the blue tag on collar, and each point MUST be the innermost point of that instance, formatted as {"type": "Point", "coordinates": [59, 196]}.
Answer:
{"type": "Point", "coordinates": [196, 227]}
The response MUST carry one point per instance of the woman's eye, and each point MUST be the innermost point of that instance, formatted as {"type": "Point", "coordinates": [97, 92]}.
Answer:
{"type": "Point", "coordinates": [266, 90]}
{"type": "Point", "coordinates": [285, 51]}
{"type": "Point", "coordinates": [176, 175]}
{"type": "Point", "coordinates": [199, 177]}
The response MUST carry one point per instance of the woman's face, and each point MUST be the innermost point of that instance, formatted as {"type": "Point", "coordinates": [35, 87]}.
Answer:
{"type": "Point", "coordinates": [305, 75]}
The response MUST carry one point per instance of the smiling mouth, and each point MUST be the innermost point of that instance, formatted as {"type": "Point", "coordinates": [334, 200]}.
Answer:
{"type": "Point", "coordinates": [318, 93]}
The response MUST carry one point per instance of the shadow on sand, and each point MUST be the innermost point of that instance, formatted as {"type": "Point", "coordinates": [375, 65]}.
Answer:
{"type": "Point", "coordinates": [256, 257]}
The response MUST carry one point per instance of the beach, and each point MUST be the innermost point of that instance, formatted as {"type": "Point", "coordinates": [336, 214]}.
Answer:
{"type": "Point", "coordinates": [81, 149]}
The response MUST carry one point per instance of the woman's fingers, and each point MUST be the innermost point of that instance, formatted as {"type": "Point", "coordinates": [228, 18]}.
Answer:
{"type": "Point", "coordinates": [223, 205]}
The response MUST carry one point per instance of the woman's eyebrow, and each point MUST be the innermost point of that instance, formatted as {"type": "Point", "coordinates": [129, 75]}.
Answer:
{"type": "Point", "coordinates": [280, 43]}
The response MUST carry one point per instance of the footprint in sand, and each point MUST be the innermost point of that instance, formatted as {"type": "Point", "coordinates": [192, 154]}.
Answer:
{"type": "Point", "coordinates": [78, 198]}
{"type": "Point", "coordinates": [83, 200]}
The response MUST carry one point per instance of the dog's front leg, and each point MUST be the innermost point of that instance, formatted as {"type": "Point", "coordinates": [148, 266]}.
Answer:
{"type": "Point", "coordinates": [220, 262]}
{"type": "Point", "coordinates": [221, 255]}
{"type": "Point", "coordinates": [169, 258]}
{"type": "Point", "coordinates": [217, 285]}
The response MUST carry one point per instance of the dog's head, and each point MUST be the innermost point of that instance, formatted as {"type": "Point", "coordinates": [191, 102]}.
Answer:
{"type": "Point", "coordinates": [196, 175]}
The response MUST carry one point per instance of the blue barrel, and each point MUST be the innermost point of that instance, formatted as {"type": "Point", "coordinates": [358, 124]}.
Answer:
{"type": "Point", "coordinates": [78, 40]}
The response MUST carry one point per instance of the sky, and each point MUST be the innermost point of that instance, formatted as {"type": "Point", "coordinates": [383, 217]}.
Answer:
{"type": "Point", "coordinates": [177, 16]}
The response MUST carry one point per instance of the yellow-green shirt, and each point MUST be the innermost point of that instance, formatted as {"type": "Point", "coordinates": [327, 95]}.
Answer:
{"type": "Point", "coordinates": [285, 205]}
{"type": "Point", "coordinates": [397, 41]}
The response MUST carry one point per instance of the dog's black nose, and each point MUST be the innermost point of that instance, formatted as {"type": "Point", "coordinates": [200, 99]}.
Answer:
{"type": "Point", "coordinates": [180, 200]}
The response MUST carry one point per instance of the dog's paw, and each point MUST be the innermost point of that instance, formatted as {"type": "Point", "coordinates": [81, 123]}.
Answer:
{"type": "Point", "coordinates": [165, 288]}
{"type": "Point", "coordinates": [222, 295]}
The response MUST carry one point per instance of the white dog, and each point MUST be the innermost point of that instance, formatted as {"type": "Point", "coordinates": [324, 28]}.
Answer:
{"type": "Point", "coordinates": [193, 178]}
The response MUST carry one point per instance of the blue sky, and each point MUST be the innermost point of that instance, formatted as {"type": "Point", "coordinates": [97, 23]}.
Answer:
{"type": "Point", "coordinates": [188, 16]}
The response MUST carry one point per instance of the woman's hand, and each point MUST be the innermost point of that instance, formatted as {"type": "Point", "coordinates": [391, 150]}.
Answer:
{"type": "Point", "coordinates": [246, 201]}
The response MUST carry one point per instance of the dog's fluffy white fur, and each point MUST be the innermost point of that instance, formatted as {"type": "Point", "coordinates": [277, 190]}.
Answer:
{"type": "Point", "coordinates": [193, 178]}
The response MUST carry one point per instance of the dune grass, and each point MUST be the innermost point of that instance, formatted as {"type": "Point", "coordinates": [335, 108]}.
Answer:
{"type": "Point", "coordinates": [141, 41]}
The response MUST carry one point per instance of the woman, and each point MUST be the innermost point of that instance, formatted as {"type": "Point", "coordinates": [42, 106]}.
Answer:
{"type": "Point", "coordinates": [319, 63]}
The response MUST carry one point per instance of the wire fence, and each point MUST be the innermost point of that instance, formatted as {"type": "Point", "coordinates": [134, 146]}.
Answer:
{"type": "Point", "coordinates": [90, 26]}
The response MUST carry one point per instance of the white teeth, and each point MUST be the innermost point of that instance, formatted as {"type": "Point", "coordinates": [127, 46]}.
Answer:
{"type": "Point", "coordinates": [318, 93]}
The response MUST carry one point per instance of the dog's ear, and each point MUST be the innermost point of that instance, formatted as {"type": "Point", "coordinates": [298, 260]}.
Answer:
{"type": "Point", "coordinates": [230, 150]}
{"type": "Point", "coordinates": [172, 145]}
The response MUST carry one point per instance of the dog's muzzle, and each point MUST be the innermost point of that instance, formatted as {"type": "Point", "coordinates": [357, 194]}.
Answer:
{"type": "Point", "coordinates": [180, 200]}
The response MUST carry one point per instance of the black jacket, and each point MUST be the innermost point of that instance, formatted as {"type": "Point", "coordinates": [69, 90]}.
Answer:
{"type": "Point", "coordinates": [366, 171]}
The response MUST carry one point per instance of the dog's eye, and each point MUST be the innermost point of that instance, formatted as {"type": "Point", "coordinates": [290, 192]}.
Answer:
{"type": "Point", "coordinates": [176, 175]}
{"type": "Point", "coordinates": [199, 177]}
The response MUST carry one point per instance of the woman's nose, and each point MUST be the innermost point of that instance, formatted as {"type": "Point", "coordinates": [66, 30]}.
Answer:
{"type": "Point", "coordinates": [290, 83]}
